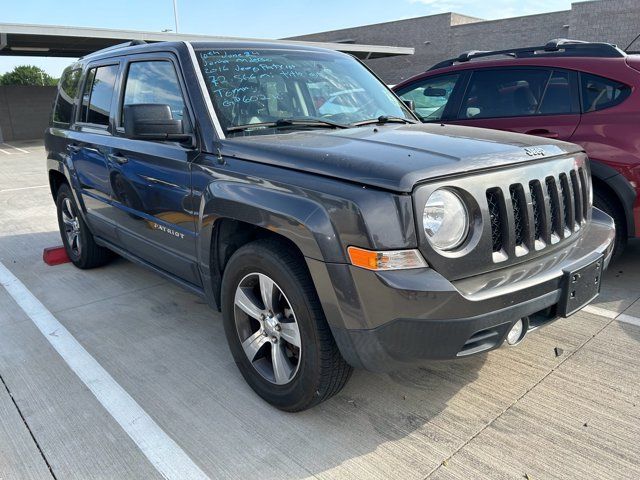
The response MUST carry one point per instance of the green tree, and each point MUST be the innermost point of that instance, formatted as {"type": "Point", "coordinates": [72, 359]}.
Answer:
{"type": "Point", "coordinates": [27, 75]}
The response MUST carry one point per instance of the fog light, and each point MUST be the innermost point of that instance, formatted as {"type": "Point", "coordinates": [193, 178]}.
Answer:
{"type": "Point", "coordinates": [516, 333]}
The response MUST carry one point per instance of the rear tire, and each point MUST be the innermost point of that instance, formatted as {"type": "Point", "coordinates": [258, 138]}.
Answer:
{"type": "Point", "coordinates": [78, 241]}
{"type": "Point", "coordinates": [315, 369]}
{"type": "Point", "coordinates": [609, 205]}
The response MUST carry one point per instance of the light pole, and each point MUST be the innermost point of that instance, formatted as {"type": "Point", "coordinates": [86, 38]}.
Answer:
{"type": "Point", "coordinates": [175, 13]}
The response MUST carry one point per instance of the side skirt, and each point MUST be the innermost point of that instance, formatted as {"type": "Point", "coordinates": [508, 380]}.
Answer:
{"type": "Point", "coordinates": [135, 259]}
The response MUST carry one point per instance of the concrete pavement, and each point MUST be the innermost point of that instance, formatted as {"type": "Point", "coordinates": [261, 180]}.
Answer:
{"type": "Point", "coordinates": [563, 404]}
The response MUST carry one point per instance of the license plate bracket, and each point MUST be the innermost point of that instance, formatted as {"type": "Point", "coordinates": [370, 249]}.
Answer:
{"type": "Point", "coordinates": [581, 286]}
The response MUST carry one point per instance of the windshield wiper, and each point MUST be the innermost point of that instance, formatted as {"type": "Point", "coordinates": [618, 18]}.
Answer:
{"type": "Point", "coordinates": [289, 122]}
{"type": "Point", "coordinates": [382, 119]}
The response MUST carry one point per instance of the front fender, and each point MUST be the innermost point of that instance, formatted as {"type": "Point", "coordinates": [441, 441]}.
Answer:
{"type": "Point", "coordinates": [321, 216]}
{"type": "Point", "coordinates": [301, 220]}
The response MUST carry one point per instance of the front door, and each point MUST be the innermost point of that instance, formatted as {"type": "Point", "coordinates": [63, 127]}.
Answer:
{"type": "Point", "coordinates": [151, 180]}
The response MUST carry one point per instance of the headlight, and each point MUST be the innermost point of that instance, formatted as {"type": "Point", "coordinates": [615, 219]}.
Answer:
{"type": "Point", "coordinates": [445, 220]}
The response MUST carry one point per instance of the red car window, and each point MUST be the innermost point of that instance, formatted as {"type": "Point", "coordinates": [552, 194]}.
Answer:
{"type": "Point", "coordinates": [557, 96]}
{"type": "Point", "coordinates": [599, 92]}
{"type": "Point", "coordinates": [504, 93]}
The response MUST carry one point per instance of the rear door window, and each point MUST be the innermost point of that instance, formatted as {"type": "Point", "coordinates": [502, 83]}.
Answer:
{"type": "Point", "coordinates": [515, 92]}
{"type": "Point", "coordinates": [67, 92]}
{"type": "Point", "coordinates": [98, 94]}
{"type": "Point", "coordinates": [557, 97]}
{"type": "Point", "coordinates": [599, 92]}
{"type": "Point", "coordinates": [430, 96]}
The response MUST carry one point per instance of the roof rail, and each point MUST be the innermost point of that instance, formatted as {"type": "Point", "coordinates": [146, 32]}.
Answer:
{"type": "Point", "coordinates": [118, 46]}
{"type": "Point", "coordinates": [558, 46]}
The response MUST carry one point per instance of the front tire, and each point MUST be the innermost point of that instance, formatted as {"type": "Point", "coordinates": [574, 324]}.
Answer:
{"type": "Point", "coordinates": [276, 329]}
{"type": "Point", "coordinates": [78, 241]}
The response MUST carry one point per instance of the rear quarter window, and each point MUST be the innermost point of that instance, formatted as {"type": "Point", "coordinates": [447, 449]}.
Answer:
{"type": "Point", "coordinates": [66, 98]}
{"type": "Point", "coordinates": [599, 93]}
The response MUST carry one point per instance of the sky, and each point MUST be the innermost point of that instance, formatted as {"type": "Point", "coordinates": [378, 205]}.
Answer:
{"type": "Point", "coordinates": [243, 18]}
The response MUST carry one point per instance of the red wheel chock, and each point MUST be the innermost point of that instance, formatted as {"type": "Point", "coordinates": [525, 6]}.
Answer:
{"type": "Point", "coordinates": [55, 256]}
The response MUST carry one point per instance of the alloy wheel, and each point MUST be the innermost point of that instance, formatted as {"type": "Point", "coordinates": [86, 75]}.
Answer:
{"type": "Point", "coordinates": [71, 227]}
{"type": "Point", "coordinates": [267, 328]}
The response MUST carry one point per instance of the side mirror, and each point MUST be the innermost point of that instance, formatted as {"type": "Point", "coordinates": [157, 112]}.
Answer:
{"type": "Point", "coordinates": [151, 121]}
{"type": "Point", "coordinates": [409, 104]}
{"type": "Point", "coordinates": [434, 92]}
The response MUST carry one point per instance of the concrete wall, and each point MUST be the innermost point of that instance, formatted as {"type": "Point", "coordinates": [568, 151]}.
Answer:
{"type": "Point", "coordinates": [24, 112]}
{"type": "Point", "coordinates": [438, 37]}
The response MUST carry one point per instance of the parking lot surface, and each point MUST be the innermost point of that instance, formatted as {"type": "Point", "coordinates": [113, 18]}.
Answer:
{"type": "Point", "coordinates": [563, 404]}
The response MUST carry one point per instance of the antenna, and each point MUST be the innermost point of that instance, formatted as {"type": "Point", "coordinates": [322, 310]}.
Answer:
{"type": "Point", "coordinates": [632, 42]}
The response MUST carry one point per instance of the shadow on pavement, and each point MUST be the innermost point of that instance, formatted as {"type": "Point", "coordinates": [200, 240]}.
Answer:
{"type": "Point", "coordinates": [166, 348]}
{"type": "Point", "coordinates": [621, 287]}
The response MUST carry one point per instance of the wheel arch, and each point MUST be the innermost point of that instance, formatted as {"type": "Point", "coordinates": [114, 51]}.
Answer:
{"type": "Point", "coordinates": [618, 188]}
{"type": "Point", "coordinates": [56, 179]}
{"type": "Point", "coordinates": [57, 174]}
{"type": "Point", "coordinates": [233, 214]}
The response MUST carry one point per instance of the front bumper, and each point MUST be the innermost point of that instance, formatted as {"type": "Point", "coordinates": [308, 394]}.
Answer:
{"type": "Point", "coordinates": [383, 320]}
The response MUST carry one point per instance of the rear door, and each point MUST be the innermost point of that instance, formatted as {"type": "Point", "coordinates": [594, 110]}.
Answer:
{"type": "Point", "coordinates": [88, 145]}
{"type": "Point", "coordinates": [151, 180]}
{"type": "Point", "coordinates": [531, 100]}
{"type": "Point", "coordinates": [604, 129]}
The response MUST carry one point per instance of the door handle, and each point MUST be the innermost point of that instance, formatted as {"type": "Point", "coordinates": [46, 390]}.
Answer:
{"type": "Point", "coordinates": [118, 158]}
{"type": "Point", "coordinates": [542, 132]}
{"type": "Point", "coordinates": [73, 148]}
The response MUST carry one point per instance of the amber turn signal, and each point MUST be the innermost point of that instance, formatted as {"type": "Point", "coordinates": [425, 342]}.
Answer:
{"type": "Point", "coordinates": [386, 260]}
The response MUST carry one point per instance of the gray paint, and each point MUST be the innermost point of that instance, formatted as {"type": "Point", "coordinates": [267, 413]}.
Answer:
{"type": "Point", "coordinates": [24, 112]}
{"type": "Point", "coordinates": [449, 34]}
{"type": "Point", "coordinates": [393, 157]}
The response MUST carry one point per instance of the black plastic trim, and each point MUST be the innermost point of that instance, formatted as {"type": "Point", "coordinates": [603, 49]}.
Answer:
{"type": "Point", "coordinates": [621, 187]}
{"type": "Point", "coordinates": [393, 345]}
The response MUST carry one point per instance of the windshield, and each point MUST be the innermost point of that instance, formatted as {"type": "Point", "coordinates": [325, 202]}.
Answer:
{"type": "Point", "coordinates": [263, 86]}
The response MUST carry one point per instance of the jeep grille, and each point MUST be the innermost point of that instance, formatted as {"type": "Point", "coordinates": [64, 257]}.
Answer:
{"type": "Point", "coordinates": [556, 213]}
{"type": "Point", "coordinates": [493, 200]}
{"type": "Point", "coordinates": [517, 213]}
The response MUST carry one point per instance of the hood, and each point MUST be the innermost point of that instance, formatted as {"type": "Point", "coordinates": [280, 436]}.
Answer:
{"type": "Point", "coordinates": [394, 156]}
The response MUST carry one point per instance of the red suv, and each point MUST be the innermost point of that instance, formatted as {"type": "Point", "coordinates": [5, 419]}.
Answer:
{"type": "Point", "coordinates": [585, 93]}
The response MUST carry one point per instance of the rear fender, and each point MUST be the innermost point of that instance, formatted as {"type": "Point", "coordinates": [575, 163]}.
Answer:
{"type": "Point", "coordinates": [63, 165]}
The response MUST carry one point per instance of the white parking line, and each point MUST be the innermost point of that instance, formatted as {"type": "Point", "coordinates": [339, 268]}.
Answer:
{"type": "Point", "coordinates": [629, 319]}
{"type": "Point", "coordinates": [5, 152]}
{"type": "Point", "coordinates": [23, 188]}
{"type": "Point", "coordinates": [162, 451]}
{"type": "Point", "coordinates": [620, 317]}
{"type": "Point", "coordinates": [600, 311]}
{"type": "Point", "coordinates": [15, 148]}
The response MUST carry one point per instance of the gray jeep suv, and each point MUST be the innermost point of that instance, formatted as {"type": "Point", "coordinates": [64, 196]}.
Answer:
{"type": "Point", "coordinates": [293, 190]}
